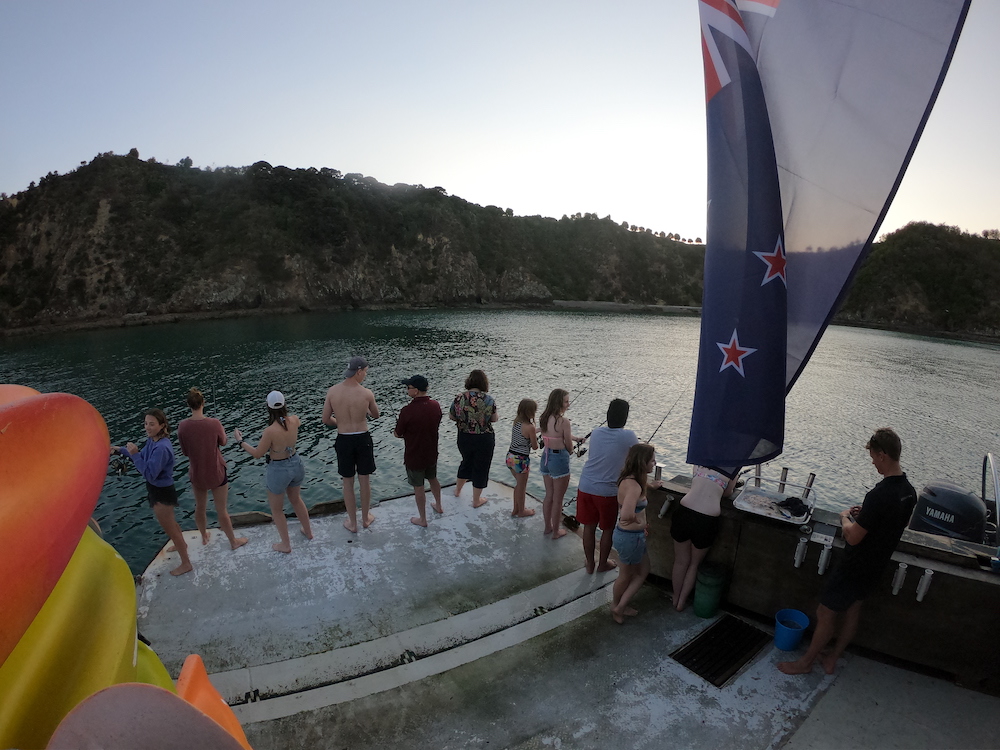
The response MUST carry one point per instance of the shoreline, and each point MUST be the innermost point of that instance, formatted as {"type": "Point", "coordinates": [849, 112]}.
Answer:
{"type": "Point", "coordinates": [144, 319]}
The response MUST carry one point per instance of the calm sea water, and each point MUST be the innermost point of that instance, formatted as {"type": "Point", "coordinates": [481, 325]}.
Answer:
{"type": "Point", "coordinates": [941, 396]}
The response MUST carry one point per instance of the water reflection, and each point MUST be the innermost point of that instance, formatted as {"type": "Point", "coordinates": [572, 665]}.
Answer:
{"type": "Point", "coordinates": [939, 395]}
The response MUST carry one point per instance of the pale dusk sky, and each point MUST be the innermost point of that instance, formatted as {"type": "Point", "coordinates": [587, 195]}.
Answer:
{"type": "Point", "coordinates": [547, 108]}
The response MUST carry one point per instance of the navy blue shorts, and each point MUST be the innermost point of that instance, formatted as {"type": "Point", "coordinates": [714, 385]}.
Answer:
{"type": "Point", "coordinates": [355, 454]}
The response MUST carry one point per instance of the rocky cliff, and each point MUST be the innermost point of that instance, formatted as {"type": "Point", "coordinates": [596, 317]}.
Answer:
{"type": "Point", "coordinates": [122, 237]}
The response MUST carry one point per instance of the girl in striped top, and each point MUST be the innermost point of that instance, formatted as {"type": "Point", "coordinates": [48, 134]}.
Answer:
{"type": "Point", "coordinates": [523, 438]}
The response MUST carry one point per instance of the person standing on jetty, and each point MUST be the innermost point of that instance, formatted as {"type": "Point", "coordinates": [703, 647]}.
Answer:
{"type": "Point", "coordinates": [523, 440]}
{"type": "Point", "coordinates": [872, 530]}
{"type": "Point", "coordinates": [284, 472]}
{"type": "Point", "coordinates": [597, 495]}
{"type": "Point", "coordinates": [200, 438]}
{"type": "Point", "coordinates": [694, 525]}
{"type": "Point", "coordinates": [474, 412]}
{"type": "Point", "coordinates": [347, 407]}
{"type": "Point", "coordinates": [558, 438]}
{"type": "Point", "coordinates": [156, 464]}
{"type": "Point", "coordinates": [418, 424]}
{"type": "Point", "coordinates": [631, 532]}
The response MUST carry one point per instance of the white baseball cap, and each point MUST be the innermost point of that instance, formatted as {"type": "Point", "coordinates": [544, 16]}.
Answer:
{"type": "Point", "coordinates": [275, 400]}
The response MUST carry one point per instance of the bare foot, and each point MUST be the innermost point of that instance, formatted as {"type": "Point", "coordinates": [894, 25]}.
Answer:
{"type": "Point", "coordinates": [604, 567]}
{"type": "Point", "coordinates": [617, 617]}
{"type": "Point", "coordinates": [181, 570]}
{"type": "Point", "coordinates": [306, 534]}
{"type": "Point", "coordinates": [239, 542]}
{"type": "Point", "coordinates": [369, 521]}
{"type": "Point", "coordinates": [172, 548]}
{"type": "Point", "coordinates": [479, 503]}
{"type": "Point", "coordinates": [590, 568]}
{"type": "Point", "coordinates": [559, 533]}
{"type": "Point", "coordinates": [794, 667]}
{"type": "Point", "coordinates": [526, 513]}
{"type": "Point", "coordinates": [418, 521]}
{"type": "Point", "coordinates": [547, 531]}
{"type": "Point", "coordinates": [281, 547]}
{"type": "Point", "coordinates": [829, 663]}
{"type": "Point", "coordinates": [437, 508]}
{"type": "Point", "coordinates": [630, 612]}
{"type": "Point", "coordinates": [458, 490]}
{"type": "Point", "coordinates": [205, 536]}
{"type": "Point", "coordinates": [352, 527]}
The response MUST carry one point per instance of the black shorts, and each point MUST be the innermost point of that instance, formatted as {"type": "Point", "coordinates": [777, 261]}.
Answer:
{"type": "Point", "coordinates": [690, 525]}
{"type": "Point", "coordinates": [840, 592]}
{"type": "Point", "coordinates": [161, 495]}
{"type": "Point", "coordinates": [355, 454]}
{"type": "Point", "coordinates": [477, 455]}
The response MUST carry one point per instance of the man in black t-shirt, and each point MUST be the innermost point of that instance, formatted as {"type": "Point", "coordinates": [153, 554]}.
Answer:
{"type": "Point", "coordinates": [872, 531]}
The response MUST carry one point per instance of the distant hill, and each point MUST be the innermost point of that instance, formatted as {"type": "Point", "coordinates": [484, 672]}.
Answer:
{"type": "Point", "coordinates": [120, 236]}
{"type": "Point", "coordinates": [931, 278]}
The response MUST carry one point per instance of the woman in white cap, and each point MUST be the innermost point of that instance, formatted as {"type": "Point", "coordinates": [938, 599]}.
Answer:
{"type": "Point", "coordinates": [284, 471]}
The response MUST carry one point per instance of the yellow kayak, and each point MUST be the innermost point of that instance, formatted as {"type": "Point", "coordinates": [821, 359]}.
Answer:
{"type": "Point", "coordinates": [82, 640]}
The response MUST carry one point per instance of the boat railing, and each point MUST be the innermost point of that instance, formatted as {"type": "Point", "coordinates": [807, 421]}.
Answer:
{"type": "Point", "coordinates": [991, 484]}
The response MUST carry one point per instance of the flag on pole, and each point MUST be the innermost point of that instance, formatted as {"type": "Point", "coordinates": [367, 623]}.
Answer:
{"type": "Point", "coordinates": [814, 108]}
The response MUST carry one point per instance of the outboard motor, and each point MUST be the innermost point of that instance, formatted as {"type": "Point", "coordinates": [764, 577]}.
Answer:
{"type": "Point", "coordinates": [948, 510]}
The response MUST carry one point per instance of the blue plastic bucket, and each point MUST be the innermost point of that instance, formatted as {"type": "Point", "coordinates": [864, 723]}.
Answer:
{"type": "Point", "coordinates": [789, 625]}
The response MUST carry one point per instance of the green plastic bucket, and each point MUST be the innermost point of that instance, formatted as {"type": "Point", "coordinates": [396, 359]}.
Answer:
{"type": "Point", "coordinates": [708, 590]}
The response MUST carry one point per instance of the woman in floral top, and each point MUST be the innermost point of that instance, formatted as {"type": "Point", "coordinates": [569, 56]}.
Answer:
{"type": "Point", "coordinates": [474, 412]}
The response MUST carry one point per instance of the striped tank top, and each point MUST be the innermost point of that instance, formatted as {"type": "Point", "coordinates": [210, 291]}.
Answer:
{"type": "Point", "coordinates": [518, 442]}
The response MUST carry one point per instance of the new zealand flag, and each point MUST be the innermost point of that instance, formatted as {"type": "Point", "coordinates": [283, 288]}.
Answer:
{"type": "Point", "coordinates": [814, 108]}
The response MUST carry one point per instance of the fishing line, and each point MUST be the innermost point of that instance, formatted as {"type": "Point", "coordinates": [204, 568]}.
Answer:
{"type": "Point", "coordinates": [665, 417]}
{"type": "Point", "coordinates": [580, 394]}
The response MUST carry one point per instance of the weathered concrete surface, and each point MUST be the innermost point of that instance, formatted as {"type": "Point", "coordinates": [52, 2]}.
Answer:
{"type": "Point", "coordinates": [873, 705]}
{"type": "Point", "coordinates": [255, 606]}
{"type": "Point", "coordinates": [588, 684]}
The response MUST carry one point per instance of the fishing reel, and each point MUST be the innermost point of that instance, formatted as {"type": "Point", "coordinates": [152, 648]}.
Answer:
{"type": "Point", "coordinates": [120, 465]}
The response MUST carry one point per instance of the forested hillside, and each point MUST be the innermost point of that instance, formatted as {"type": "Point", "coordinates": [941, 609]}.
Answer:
{"type": "Point", "coordinates": [121, 236]}
{"type": "Point", "coordinates": [930, 278]}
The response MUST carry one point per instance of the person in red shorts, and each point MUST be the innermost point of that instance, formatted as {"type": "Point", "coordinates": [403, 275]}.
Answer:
{"type": "Point", "coordinates": [597, 494]}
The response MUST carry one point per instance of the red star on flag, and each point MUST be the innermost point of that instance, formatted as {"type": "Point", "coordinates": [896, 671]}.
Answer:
{"type": "Point", "coordinates": [775, 264]}
{"type": "Point", "coordinates": [734, 354]}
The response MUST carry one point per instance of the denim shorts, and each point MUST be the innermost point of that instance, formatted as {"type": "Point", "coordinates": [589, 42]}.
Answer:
{"type": "Point", "coordinates": [630, 545]}
{"type": "Point", "coordinates": [555, 463]}
{"type": "Point", "coordinates": [280, 475]}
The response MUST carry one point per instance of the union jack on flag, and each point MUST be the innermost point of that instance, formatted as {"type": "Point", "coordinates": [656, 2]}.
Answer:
{"type": "Point", "coordinates": [814, 108]}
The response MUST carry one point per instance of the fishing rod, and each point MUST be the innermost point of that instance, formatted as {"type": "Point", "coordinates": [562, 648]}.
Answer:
{"type": "Point", "coordinates": [665, 417]}
{"type": "Point", "coordinates": [580, 394]}
{"type": "Point", "coordinates": [580, 450]}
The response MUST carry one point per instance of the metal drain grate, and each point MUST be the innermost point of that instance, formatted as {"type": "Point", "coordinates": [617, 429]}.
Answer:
{"type": "Point", "coordinates": [721, 650]}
